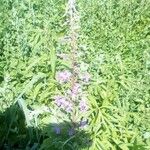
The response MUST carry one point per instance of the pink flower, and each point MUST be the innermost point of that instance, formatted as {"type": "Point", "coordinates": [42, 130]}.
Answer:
{"type": "Point", "coordinates": [63, 103]}
{"type": "Point", "coordinates": [83, 105]}
{"type": "Point", "coordinates": [74, 91]}
{"type": "Point", "coordinates": [83, 123]}
{"type": "Point", "coordinates": [76, 88]}
{"type": "Point", "coordinates": [57, 129]}
{"type": "Point", "coordinates": [69, 107]}
{"type": "Point", "coordinates": [63, 77]}
{"type": "Point", "coordinates": [59, 100]}
{"type": "Point", "coordinates": [71, 131]}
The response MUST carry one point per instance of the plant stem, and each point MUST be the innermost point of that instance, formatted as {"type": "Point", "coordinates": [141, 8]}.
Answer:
{"type": "Point", "coordinates": [73, 24]}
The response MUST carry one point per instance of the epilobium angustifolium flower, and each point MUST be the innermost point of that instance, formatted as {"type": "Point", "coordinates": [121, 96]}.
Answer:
{"type": "Point", "coordinates": [83, 123]}
{"type": "Point", "coordinates": [74, 100]}
{"type": "Point", "coordinates": [59, 100]}
{"type": "Point", "coordinates": [63, 76]}
{"type": "Point", "coordinates": [63, 103]}
{"type": "Point", "coordinates": [76, 88]}
{"type": "Point", "coordinates": [71, 131]}
{"type": "Point", "coordinates": [57, 130]}
{"type": "Point", "coordinates": [83, 105]}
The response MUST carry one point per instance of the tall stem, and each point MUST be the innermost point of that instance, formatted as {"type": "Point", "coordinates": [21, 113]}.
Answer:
{"type": "Point", "coordinates": [73, 25]}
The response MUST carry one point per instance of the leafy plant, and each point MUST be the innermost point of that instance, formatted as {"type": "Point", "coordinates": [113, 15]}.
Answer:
{"type": "Point", "coordinates": [109, 47]}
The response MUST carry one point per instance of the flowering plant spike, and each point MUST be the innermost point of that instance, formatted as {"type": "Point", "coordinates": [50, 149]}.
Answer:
{"type": "Point", "coordinates": [73, 101]}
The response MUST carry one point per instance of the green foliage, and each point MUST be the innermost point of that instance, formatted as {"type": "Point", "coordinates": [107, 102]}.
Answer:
{"type": "Point", "coordinates": [114, 40]}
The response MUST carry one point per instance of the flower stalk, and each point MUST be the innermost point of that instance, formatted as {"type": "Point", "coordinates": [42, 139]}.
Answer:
{"type": "Point", "coordinates": [73, 20]}
{"type": "Point", "coordinates": [73, 101]}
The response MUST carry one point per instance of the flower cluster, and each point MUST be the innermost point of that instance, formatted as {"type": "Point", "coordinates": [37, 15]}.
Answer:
{"type": "Point", "coordinates": [63, 103]}
{"type": "Point", "coordinates": [70, 130]}
{"type": "Point", "coordinates": [63, 76]}
{"type": "Point", "coordinates": [74, 91]}
{"type": "Point", "coordinates": [57, 130]}
{"type": "Point", "coordinates": [73, 83]}
{"type": "Point", "coordinates": [75, 94]}
{"type": "Point", "coordinates": [83, 105]}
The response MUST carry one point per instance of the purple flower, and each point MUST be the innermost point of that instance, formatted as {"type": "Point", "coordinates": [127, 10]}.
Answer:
{"type": "Point", "coordinates": [71, 132]}
{"type": "Point", "coordinates": [69, 107]}
{"type": "Point", "coordinates": [76, 88]}
{"type": "Point", "coordinates": [57, 130]}
{"type": "Point", "coordinates": [63, 77]}
{"type": "Point", "coordinates": [83, 105]}
{"type": "Point", "coordinates": [83, 123]}
{"type": "Point", "coordinates": [59, 100]}
{"type": "Point", "coordinates": [63, 103]}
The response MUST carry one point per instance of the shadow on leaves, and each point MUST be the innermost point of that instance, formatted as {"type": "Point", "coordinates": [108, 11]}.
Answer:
{"type": "Point", "coordinates": [14, 135]}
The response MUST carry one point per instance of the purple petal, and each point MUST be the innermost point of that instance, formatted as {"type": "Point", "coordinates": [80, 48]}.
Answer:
{"type": "Point", "coordinates": [69, 107]}
{"type": "Point", "coordinates": [57, 130]}
{"type": "Point", "coordinates": [63, 76]}
{"type": "Point", "coordinates": [76, 88]}
{"type": "Point", "coordinates": [83, 123]}
{"type": "Point", "coordinates": [59, 100]}
{"type": "Point", "coordinates": [63, 103]}
{"type": "Point", "coordinates": [83, 105]}
{"type": "Point", "coordinates": [71, 132]}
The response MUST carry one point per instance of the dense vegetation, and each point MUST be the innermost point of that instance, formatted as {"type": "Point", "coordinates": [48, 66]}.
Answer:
{"type": "Point", "coordinates": [113, 45]}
